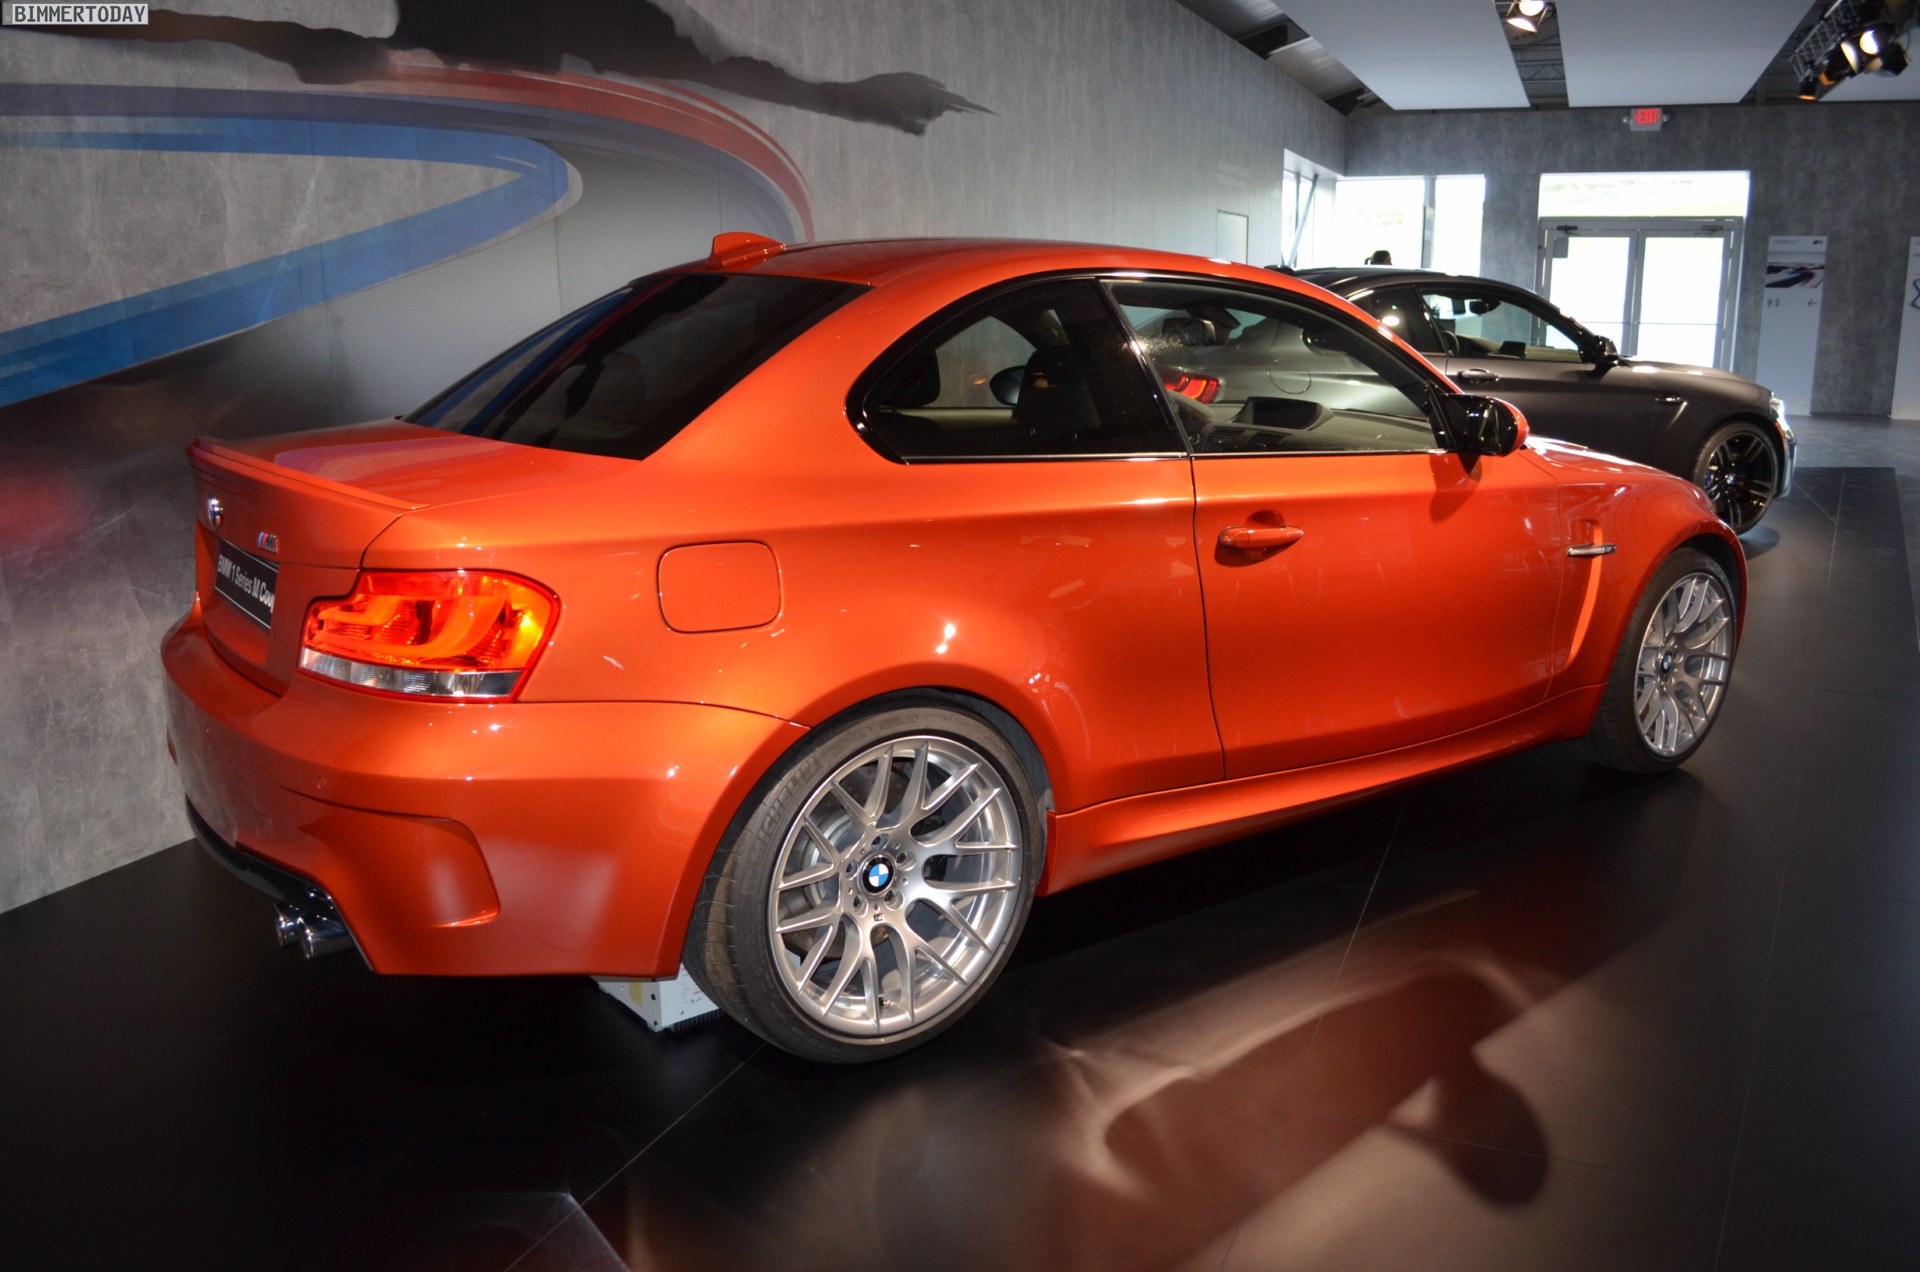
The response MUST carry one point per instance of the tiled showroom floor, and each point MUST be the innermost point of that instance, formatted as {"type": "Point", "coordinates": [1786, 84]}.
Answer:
{"type": "Point", "coordinates": [1535, 1015]}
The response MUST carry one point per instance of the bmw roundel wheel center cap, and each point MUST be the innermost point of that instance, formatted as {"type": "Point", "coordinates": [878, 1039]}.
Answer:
{"type": "Point", "coordinates": [878, 874]}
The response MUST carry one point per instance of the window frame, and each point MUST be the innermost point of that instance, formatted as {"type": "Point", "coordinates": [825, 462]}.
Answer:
{"type": "Point", "coordinates": [1366, 329]}
{"type": "Point", "coordinates": [953, 318]}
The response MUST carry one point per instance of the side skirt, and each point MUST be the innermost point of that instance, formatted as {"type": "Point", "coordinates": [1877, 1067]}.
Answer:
{"type": "Point", "coordinates": [1105, 839]}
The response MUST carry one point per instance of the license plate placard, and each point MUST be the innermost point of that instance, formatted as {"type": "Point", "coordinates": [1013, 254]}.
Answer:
{"type": "Point", "coordinates": [246, 582]}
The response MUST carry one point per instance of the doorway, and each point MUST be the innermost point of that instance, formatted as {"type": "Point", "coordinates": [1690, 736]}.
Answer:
{"type": "Point", "coordinates": [1662, 288]}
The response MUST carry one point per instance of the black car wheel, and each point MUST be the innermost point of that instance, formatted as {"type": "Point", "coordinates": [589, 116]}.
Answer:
{"type": "Point", "coordinates": [1739, 469]}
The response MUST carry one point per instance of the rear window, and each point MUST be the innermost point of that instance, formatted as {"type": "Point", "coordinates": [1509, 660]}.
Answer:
{"type": "Point", "coordinates": [625, 374]}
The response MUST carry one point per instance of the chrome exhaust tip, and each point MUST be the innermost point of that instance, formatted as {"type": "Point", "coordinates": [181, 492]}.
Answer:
{"type": "Point", "coordinates": [316, 937]}
{"type": "Point", "coordinates": [289, 925]}
{"type": "Point", "coordinates": [321, 937]}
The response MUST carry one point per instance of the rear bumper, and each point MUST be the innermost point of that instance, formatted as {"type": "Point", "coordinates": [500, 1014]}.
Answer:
{"type": "Point", "coordinates": [467, 839]}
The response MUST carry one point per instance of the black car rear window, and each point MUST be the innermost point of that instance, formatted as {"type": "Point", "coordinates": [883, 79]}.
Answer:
{"type": "Point", "coordinates": [623, 375]}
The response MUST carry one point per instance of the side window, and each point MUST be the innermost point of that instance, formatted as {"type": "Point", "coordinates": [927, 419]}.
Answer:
{"type": "Point", "coordinates": [1482, 325]}
{"type": "Point", "coordinates": [1401, 311]}
{"type": "Point", "coordinates": [1042, 371]}
{"type": "Point", "coordinates": [1256, 373]}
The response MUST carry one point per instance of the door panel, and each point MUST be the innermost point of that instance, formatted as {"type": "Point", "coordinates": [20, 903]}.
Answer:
{"type": "Point", "coordinates": [1417, 600]}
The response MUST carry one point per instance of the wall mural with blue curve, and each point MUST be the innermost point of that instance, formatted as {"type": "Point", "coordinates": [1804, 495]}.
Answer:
{"type": "Point", "coordinates": [44, 356]}
{"type": "Point", "coordinates": [231, 226]}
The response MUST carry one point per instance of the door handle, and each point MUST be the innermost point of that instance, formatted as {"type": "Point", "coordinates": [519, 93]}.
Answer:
{"type": "Point", "coordinates": [1260, 538]}
{"type": "Point", "coordinates": [1478, 377]}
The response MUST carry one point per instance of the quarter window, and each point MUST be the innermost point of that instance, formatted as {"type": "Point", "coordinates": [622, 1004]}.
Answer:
{"type": "Point", "coordinates": [1251, 373]}
{"type": "Point", "coordinates": [1040, 372]}
{"type": "Point", "coordinates": [1402, 311]}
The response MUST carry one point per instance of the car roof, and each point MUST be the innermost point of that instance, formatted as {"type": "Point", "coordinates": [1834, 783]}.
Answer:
{"type": "Point", "coordinates": [874, 262]}
{"type": "Point", "coordinates": [1339, 278]}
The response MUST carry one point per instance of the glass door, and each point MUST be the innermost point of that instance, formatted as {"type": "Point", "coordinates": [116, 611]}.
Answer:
{"type": "Point", "coordinates": [1594, 282]}
{"type": "Point", "coordinates": [1660, 288]}
{"type": "Point", "coordinates": [1682, 279]}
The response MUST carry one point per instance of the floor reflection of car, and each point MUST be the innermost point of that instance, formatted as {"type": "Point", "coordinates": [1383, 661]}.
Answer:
{"type": "Point", "coordinates": [1718, 430]}
{"type": "Point", "coordinates": [802, 613]}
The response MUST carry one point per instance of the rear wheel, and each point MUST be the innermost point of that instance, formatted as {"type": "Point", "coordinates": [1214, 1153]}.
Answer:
{"type": "Point", "coordinates": [1671, 673]}
{"type": "Point", "coordinates": [1740, 471]}
{"type": "Point", "coordinates": [875, 889]}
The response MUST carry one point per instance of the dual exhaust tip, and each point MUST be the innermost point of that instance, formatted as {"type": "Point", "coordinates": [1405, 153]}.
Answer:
{"type": "Point", "coordinates": [316, 935]}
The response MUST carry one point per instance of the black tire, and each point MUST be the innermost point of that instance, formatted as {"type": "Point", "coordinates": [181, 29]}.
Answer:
{"type": "Point", "coordinates": [1739, 468]}
{"type": "Point", "coordinates": [1615, 738]}
{"type": "Point", "coordinates": [731, 941]}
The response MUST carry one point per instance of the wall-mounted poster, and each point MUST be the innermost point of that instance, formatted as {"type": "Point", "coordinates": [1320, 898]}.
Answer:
{"type": "Point", "coordinates": [1790, 317]}
{"type": "Point", "coordinates": [1906, 373]}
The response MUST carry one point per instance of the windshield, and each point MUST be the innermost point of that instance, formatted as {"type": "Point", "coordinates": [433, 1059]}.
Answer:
{"type": "Point", "coordinates": [626, 373]}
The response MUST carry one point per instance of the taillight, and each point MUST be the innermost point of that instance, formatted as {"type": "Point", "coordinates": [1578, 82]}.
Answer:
{"type": "Point", "coordinates": [1201, 388]}
{"type": "Point", "coordinates": [436, 634]}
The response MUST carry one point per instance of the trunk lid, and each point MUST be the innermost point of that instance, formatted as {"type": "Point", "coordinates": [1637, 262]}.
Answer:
{"type": "Point", "coordinates": [283, 521]}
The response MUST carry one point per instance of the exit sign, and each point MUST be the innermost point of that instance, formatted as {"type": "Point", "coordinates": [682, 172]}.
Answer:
{"type": "Point", "coordinates": [1647, 118]}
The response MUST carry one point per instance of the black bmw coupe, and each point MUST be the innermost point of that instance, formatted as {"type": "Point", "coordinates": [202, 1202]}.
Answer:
{"type": "Point", "coordinates": [1724, 433]}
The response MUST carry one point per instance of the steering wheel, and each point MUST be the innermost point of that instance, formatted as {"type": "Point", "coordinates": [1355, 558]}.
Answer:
{"type": "Point", "coordinates": [1449, 343]}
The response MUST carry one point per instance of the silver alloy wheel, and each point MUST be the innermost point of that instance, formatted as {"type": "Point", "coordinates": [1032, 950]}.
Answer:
{"type": "Point", "coordinates": [896, 886]}
{"type": "Point", "coordinates": [1685, 657]}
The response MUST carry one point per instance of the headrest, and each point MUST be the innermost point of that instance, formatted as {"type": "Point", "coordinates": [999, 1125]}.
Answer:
{"type": "Point", "coordinates": [919, 384]}
{"type": "Point", "coordinates": [1055, 404]}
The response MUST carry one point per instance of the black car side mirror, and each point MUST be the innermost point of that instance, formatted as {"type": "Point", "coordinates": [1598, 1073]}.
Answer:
{"type": "Point", "coordinates": [1600, 351]}
{"type": "Point", "coordinates": [1475, 425]}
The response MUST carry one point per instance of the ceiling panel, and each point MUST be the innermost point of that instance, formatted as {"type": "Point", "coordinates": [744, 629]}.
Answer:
{"type": "Point", "coordinates": [1670, 52]}
{"type": "Point", "coordinates": [1238, 18]}
{"type": "Point", "coordinates": [1435, 55]}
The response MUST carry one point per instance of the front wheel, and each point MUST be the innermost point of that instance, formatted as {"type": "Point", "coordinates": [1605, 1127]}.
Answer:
{"type": "Point", "coordinates": [1670, 676]}
{"type": "Point", "coordinates": [874, 890]}
{"type": "Point", "coordinates": [1740, 471]}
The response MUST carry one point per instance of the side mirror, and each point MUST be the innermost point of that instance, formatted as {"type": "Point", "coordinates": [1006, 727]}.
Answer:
{"type": "Point", "coordinates": [1475, 425]}
{"type": "Point", "coordinates": [1600, 351]}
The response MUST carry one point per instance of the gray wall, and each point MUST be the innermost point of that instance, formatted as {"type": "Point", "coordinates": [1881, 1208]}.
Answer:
{"type": "Point", "coordinates": [1122, 121]}
{"type": "Point", "coordinates": [1128, 121]}
{"type": "Point", "coordinates": [1848, 171]}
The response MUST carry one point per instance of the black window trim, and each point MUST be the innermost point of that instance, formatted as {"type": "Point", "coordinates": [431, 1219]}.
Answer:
{"type": "Point", "coordinates": [1369, 329]}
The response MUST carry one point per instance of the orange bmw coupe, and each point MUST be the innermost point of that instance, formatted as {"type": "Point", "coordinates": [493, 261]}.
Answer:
{"type": "Point", "coordinates": [801, 613]}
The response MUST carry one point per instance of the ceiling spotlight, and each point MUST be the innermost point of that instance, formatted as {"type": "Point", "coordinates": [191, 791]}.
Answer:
{"type": "Point", "coordinates": [1893, 61]}
{"type": "Point", "coordinates": [1809, 90]}
{"type": "Point", "coordinates": [1871, 40]}
{"type": "Point", "coordinates": [1527, 15]}
{"type": "Point", "coordinates": [1850, 50]}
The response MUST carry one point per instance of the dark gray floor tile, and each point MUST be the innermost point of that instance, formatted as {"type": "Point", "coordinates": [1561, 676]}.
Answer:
{"type": "Point", "coordinates": [1339, 1195]}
